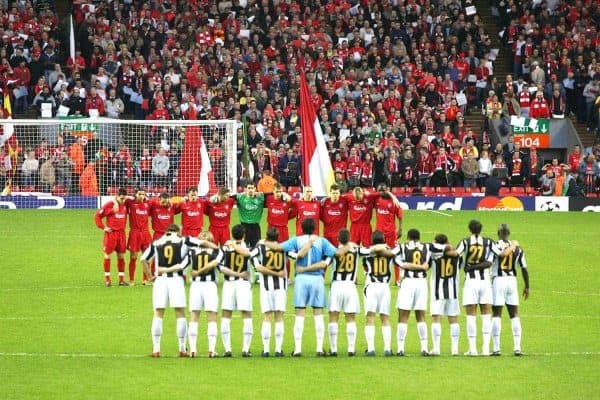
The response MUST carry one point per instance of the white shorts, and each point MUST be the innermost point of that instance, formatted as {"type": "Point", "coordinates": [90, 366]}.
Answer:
{"type": "Point", "coordinates": [204, 296]}
{"type": "Point", "coordinates": [412, 294]}
{"type": "Point", "coordinates": [237, 296]}
{"type": "Point", "coordinates": [169, 291]}
{"type": "Point", "coordinates": [477, 291]}
{"type": "Point", "coordinates": [377, 298]}
{"type": "Point", "coordinates": [273, 300]}
{"type": "Point", "coordinates": [445, 307]}
{"type": "Point", "coordinates": [505, 291]}
{"type": "Point", "coordinates": [344, 297]}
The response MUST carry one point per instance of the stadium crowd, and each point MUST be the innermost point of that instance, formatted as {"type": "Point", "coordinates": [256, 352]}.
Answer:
{"type": "Point", "coordinates": [391, 84]}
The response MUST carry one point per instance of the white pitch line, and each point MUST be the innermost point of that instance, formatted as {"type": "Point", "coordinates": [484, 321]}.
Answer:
{"type": "Point", "coordinates": [548, 316]}
{"type": "Point", "coordinates": [576, 293]}
{"type": "Point", "coordinates": [49, 288]}
{"type": "Point", "coordinates": [105, 355]}
{"type": "Point", "coordinates": [63, 318]}
{"type": "Point", "coordinates": [441, 213]}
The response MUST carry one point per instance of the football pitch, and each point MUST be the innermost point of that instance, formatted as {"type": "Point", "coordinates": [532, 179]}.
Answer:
{"type": "Point", "coordinates": [64, 335]}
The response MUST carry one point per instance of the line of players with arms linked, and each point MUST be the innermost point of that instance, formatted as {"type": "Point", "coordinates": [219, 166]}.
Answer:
{"type": "Point", "coordinates": [490, 270]}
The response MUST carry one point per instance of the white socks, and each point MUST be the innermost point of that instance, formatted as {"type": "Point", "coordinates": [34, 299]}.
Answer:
{"type": "Point", "coordinates": [248, 331]}
{"type": "Point", "coordinates": [319, 332]}
{"type": "Point", "coordinates": [181, 333]}
{"type": "Point", "coordinates": [351, 333]}
{"type": "Point", "coordinates": [386, 332]}
{"type": "Point", "coordinates": [422, 330]}
{"type": "Point", "coordinates": [454, 335]}
{"type": "Point", "coordinates": [516, 331]}
{"type": "Point", "coordinates": [370, 336]}
{"type": "Point", "coordinates": [486, 330]}
{"type": "Point", "coordinates": [496, 329]}
{"type": "Point", "coordinates": [298, 330]}
{"type": "Point", "coordinates": [436, 334]}
{"type": "Point", "coordinates": [211, 332]}
{"type": "Point", "coordinates": [401, 336]}
{"type": "Point", "coordinates": [279, 330]}
{"type": "Point", "coordinates": [265, 332]}
{"type": "Point", "coordinates": [472, 333]}
{"type": "Point", "coordinates": [193, 337]}
{"type": "Point", "coordinates": [156, 332]}
{"type": "Point", "coordinates": [226, 333]}
{"type": "Point", "coordinates": [333, 336]}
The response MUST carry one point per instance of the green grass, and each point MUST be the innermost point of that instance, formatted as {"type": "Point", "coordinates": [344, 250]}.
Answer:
{"type": "Point", "coordinates": [64, 335]}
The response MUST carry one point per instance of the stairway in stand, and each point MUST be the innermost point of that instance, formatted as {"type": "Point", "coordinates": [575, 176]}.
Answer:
{"type": "Point", "coordinates": [503, 67]}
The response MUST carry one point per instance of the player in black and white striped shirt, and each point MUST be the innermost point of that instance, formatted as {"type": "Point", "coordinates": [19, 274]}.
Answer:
{"type": "Point", "coordinates": [205, 257]}
{"type": "Point", "coordinates": [413, 261]}
{"type": "Point", "coordinates": [169, 256]}
{"type": "Point", "coordinates": [343, 295]}
{"type": "Point", "coordinates": [478, 257]}
{"type": "Point", "coordinates": [270, 264]}
{"type": "Point", "coordinates": [378, 262]}
{"type": "Point", "coordinates": [444, 291]}
{"type": "Point", "coordinates": [504, 272]}
{"type": "Point", "coordinates": [237, 291]}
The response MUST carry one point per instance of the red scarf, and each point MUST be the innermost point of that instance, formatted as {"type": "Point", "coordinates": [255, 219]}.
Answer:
{"type": "Point", "coordinates": [439, 160]}
{"type": "Point", "coordinates": [393, 166]}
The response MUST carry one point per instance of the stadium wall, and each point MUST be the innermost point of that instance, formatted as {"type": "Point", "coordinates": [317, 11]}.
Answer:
{"type": "Point", "coordinates": [479, 203]}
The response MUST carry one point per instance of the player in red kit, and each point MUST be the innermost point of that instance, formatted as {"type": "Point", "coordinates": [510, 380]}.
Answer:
{"type": "Point", "coordinates": [162, 214]}
{"type": "Point", "coordinates": [360, 211]}
{"type": "Point", "coordinates": [305, 208]}
{"type": "Point", "coordinates": [115, 213]}
{"type": "Point", "coordinates": [334, 214]}
{"type": "Point", "coordinates": [138, 209]}
{"type": "Point", "coordinates": [219, 215]}
{"type": "Point", "coordinates": [279, 212]}
{"type": "Point", "coordinates": [387, 210]}
{"type": "Point", "coordinates": [192, 213]}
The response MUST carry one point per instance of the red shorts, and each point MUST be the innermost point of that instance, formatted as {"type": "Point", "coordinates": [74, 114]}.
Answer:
{"type": "Point", "coordinates": [220, 234]}
{"type": "Point", "coordinates": [391, 238]}
{"type": "Point", "coordinates": [114, 241]}
{"type": "Point", "coordinates": [157, 235]}
{"type": "Point", "coordinates": [139, 240]}
{"type": "Point", "coordinates": [284, 234]}
{"type": "Point", "coordinates": [361, 234]}
{"type": "Point", "coordinates": [333, 239]}
{"type": "Point", "coordinates": [191, 232]}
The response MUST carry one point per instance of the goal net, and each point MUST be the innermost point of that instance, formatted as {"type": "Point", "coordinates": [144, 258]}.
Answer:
{"type": "Point", "coordinates": [78, 158]}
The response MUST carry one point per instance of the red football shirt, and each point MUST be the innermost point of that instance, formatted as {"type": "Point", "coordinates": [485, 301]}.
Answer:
{"type": "Point", "coordinates": [161, 216]}
{"type": "Point", "coordinates": [334, 216]}
{"type": "Point", "coordinates": [361, 211]}
{"type": "Point", "coordinates": [138, 211]}
{"type": "Point", "coordinates": [385, 215]}
{"type": "Point", "coordinates": [114, 220]}
{"type": "Point", "coordinates": [219, 214]}
{"type": "Point", "coordinates": [307, 209]}
{"type": "Point", "coordinates": [278, 211]}
{"type": "Point", "coordinates": [192, 214]}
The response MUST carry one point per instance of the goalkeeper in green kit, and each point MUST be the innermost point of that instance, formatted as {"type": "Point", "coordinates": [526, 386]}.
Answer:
{"type": "Point", "coordinates": [250, 207]}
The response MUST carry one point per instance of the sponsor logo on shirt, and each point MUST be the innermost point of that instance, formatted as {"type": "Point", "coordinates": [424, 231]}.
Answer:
{"type": "Point", "coordinates": [141, 212]}
{"type": "Point", "coordinates": [277, 211]}
{"type": "Point", "coordinates": [360, 208]}
{"type": "Point", "coordinates": [120, 216]}
{"type": "Point", "coordinates": [193, 213]}
{"type": "Point", "coordinates": [162, 216]}
{"type": "Point", "coordinates": [220, 214]}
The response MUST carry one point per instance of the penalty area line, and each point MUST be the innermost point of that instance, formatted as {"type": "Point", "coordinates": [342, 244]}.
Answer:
{"type": "Point", "coordinates": [441, 213]}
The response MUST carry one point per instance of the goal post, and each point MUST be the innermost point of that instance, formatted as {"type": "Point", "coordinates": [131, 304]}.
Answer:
{"type": "Point", "coordinates": [79, 157]}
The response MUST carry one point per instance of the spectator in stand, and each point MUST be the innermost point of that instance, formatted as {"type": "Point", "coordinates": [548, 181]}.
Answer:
{"type": "Point", "coordinates": [547, 183]}
{"type": "Point", "coordinates": [47, 175]}
{"type": "Point", "coordinates": [557, 104]}
{"type": "Point", "coordinates": [29, 169]}
{"type": "Point", "coordinates": [590, 93]}
{"type": "Point", "coordinates": [289, 169]}
{"type": "Point", "coordinates": [44, 97]}
{"type": "Point", "coordinates": [485, 169]}
{"type": "Point", "coordinates": [160, 168]}
{"type": "Point", "coordinates": [76, 103]}
{"type": "Point", "coordinates": [575, 158]}
{"type": "Point", "coordinates": [114, 105]}
{"type": "Point", "coordinates": [589, 169]}
{"type": "Point", "coordinates": [94, 102]}
{"type": "Point", "coordinates": [469, 168]}
{"type": "Point", "coordinates": [21, 92]}
{"type": "Point", "coordinates": [64, 171]}
{"type": "Point", "coordinates": [539, 106]}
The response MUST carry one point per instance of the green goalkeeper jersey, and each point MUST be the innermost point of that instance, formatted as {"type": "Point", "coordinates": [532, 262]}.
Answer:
{"type": "Point", "coordinates": [250, 208]}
